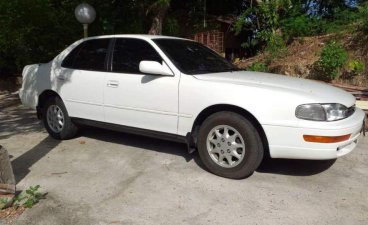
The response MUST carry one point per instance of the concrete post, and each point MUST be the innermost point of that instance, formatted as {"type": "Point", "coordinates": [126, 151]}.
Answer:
{"type": "Point", "coordinates": [7, 180]}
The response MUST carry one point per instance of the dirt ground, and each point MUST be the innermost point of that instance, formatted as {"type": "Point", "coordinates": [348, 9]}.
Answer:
{"type": "Point", "coordinates": [105, 177]}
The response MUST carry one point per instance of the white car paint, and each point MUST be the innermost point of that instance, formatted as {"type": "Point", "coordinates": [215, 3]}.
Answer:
{"type": "Point", "coordinates": [148, 102]}
{"type": "Point", "coordinates": [171, 103]}
{"type": "Point", "coordinates": [82, 91]}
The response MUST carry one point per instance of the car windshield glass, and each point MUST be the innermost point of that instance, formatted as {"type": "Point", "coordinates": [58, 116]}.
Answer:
{"type": "Point", "coordinates": [192, 57]}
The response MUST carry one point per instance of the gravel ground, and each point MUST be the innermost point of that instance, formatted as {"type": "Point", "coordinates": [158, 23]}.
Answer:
{"type": "Point", "coordinates": [105, 177]}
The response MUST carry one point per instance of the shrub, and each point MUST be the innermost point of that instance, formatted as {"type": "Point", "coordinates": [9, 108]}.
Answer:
{"type": "Point", "coordinates": [275, 46]}
{"type": "Point", "coordinates": [258, 67]}
{"type": "Point", "coordinates": [356, 67]}
{"type": "Point", "coordinates": [332, 58]}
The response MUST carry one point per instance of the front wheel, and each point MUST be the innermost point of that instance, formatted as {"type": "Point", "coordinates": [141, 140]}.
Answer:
{"type": "Point", "coordinates": [57, 121]}
{"type": "Point", "coordinates": [229, 145]}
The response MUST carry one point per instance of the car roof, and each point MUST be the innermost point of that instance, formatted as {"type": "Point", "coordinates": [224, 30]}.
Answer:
{"type": "Point", "coordinates": [139, 36]}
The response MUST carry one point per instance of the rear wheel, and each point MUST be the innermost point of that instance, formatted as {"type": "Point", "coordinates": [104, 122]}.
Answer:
{"type": "Point", "coordinates": [229, 145]}
{"type": "Point", "coordinates": [57, 121]}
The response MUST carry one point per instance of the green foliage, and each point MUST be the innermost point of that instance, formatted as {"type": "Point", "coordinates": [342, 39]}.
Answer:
{"type": "Point", "coordinates": [332, 59]}
{"type": "Point", "coordinates": [35, 31]}
{"type": "Point", "coordinates": [264, 17]}
{"type": "Point", "coordinates": [171, 27]}
{"type": "Point", "coordinates": [337, 19]}
{"type": "Point", "coordinates": [363, 10]}
{"type": "Point", "coordinates": [164, 2]}
{"type": "Point", "coordinates": [26, 199]}
{"type": "Point", "coordinates": [258, 67]}
{"type": "Point", "coordinates": [262, 21]}
{"type": "Point", "coordinates": [328, 8]}
{"type": "Point", "coordinates": [356, 67]}
{"type": "Point", "coordinates": [275, 47]}
{"type": "Point", "coordinates": [25, 33]}
{"type": "Point", "coordinates": [4, 203]}
{"type": "Point", "coordinates": [302, 26]}
{"type": "Point", "coordinates": [31, 197]}
{"type": "Point", "coordinates": [343, 19]}
{"type": "Point", "coordinates": [365, 27]}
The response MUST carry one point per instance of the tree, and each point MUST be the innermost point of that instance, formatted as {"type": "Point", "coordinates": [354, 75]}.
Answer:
{"type": "Point", "coordinates": [35, 31]}
{"type": "Point", "coordinates": [261, 20]}
{"type": "Point", "coordinates": [159, 9]}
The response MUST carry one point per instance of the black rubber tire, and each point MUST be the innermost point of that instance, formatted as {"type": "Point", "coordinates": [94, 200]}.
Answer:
{"type": "Point", "coordinates": [69, 129]}
{"type": "Point", "coordinates": [254, 150]}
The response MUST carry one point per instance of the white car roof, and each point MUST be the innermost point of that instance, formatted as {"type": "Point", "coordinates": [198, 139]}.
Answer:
{"type": "Point", "coordinates": [139, 36]}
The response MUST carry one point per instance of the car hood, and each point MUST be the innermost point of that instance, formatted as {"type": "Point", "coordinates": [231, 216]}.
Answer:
{"type": "Point", "coordinates": [318, 91]}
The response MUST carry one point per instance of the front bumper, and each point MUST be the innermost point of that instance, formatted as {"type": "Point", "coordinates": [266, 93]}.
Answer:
{"type": "Point", "coordinates": [288, 142]}
{"type": "Point", "coordinates": [28, 98]}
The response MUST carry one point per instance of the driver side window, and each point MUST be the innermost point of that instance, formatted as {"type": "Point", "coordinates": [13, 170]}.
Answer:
{"type": "Point", "coordinates": [129, 52]}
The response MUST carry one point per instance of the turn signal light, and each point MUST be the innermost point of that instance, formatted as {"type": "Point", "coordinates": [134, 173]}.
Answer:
{"type": "Point", "coordinates": [326, 139]}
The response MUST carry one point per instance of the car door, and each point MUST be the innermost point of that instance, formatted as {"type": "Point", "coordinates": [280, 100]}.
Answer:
{"type": "Point", "coordinates": [135, 99]}
{"type": "Point", "coordinates": [82, 79]}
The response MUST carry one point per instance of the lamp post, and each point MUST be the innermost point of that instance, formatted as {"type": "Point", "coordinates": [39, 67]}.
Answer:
{"type": "Point", "coordinates": [85, 14]}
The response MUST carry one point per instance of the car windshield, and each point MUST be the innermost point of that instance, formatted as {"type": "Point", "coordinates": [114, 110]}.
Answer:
{"type": "Point", "coordinates": [192, 57]}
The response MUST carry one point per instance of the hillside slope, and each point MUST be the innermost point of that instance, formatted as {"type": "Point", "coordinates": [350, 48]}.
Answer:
{"type": "Point", "coordinates": [302, 53]}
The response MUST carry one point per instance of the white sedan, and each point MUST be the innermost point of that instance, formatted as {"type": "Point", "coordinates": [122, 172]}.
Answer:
{"type": "Point", "coordinates": [180, 90]}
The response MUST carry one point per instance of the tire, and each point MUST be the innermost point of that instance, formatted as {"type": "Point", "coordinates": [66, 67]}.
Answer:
{"type": "Point", "coordinates": [241, 149]}
{"type": "Point", "coordinates": [62, 132]}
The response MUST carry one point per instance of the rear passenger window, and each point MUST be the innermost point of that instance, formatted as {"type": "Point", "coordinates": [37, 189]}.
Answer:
{"type": "Point", "coordinates": [89, 55]}
{"type": "Point", "coordinates": [129, 52]}
{"type": "Point", "coordinates": [70, 58]}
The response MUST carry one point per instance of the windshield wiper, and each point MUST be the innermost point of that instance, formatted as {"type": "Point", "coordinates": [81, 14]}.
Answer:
{"type": "Point", "coordinates": [231, 69]}
{"type": "Point", "coordinates": [220, 70]}
{"type": "Point", "coordinates": [202, 71]}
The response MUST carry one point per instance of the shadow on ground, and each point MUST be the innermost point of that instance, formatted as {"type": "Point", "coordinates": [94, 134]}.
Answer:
{"type": "Point", "coordinates": [137, 141]}
{"type": "Point", "coordinates": [25, 161]}
{"type": "Point", "coordinates": [16, 119]}
{"type": "Point", "coordinates": [295, 167]}
{"type": "Point", "coordinates": [274, 166]}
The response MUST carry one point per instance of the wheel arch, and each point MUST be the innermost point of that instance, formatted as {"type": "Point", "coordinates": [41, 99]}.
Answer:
{"type": "Point", "coordinates": [42, 98]}
{"type": "Point", "coordinates": [229, 108]}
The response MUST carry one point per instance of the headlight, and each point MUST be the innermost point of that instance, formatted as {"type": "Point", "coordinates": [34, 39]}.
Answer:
{"type": "Point", "coordinates": [323, 112]}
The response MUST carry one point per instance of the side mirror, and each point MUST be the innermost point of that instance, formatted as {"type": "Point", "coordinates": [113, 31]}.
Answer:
{"type": "Point", "coordinates": [155, 68]}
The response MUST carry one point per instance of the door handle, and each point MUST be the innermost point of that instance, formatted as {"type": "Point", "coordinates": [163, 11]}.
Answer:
{"type": "Point", "coordinates": [61, 78]}
{"type": "Point", "coordinates": [113, 83]}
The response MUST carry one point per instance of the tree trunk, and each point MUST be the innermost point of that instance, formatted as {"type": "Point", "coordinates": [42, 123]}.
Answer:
{"type": "Point", "coordinates": [156, 27]}
{"type": "Point", "coordinates": [7, 181]}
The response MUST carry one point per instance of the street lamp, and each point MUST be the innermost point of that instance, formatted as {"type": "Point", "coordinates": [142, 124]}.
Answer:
{"type": "Point", "coordinates": [85, 14]}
